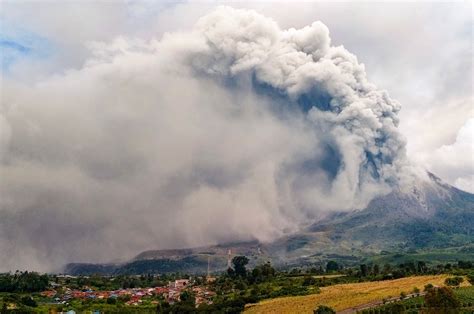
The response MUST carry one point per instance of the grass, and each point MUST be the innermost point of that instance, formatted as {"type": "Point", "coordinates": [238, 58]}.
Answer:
{"type": "Point", "coordinates": [345, 296]}
{"type": "Point", "coordinates": [465, 294]}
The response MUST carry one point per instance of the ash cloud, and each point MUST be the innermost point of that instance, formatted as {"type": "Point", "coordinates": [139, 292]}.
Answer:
{"type": "Point", "coordinates": [234, 130]}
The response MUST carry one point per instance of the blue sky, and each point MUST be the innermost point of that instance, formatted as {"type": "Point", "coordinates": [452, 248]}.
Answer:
{"type": "Point", "coordinates": [18, 45]}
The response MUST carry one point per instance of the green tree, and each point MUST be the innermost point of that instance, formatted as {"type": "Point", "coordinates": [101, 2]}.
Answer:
{"type": "Point", "coordinates": [239, 263]}
{"type": "Point", "coordinates": [262, 273]}
{"type": "Point", "coordinates": [28, 301]}
{"type": "Point", "coordinates": [309, 280]}
{"type": "Point", "coordinates": [111, 300]}
{"type": "Point", "coordinates": [454, 281]}
{"type": "Point", "coordinates": [363, 270]}
{"type": "Point", "coordinates": [323, 309]}
{"type": "Point", "coordinates": [376, 269]}
{"type": "Point", "coordinates": [421, 267]}
{"type": "Point", "coordinates": [470, 278]}
{"type": "Point", "coordinates": [394, 308]}
{"type": "Point", "coordinates": [441, 298]}
{"type": "Point", "coordinates": [387, 269]}
{"type": "Point", "coordinates": [332, 266]}
{"type": "Point", "coordinates": [187, 297]}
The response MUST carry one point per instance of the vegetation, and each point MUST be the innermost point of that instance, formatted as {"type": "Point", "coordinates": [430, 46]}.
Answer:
{"type": "Point", "coordinates": [437, 300]}
{"type": "Point", "coordinates": [454, 281]}
{"type": "Point", "coordinates": [344, 296]}
{"type": "Point", "coordinates": [323, 309]}
{"type": "Point", "coordinates": [23, 282]}
{"type": "Point", "coordinates": [322, 288]}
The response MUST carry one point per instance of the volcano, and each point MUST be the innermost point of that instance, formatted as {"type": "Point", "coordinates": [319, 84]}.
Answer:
{"type": "Point", "coordinates": [429, 220]}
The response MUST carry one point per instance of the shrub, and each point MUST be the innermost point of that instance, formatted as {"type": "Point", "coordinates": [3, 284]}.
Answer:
{"type": "Point", "coordinates": [111, 300]}
{"type": "Point", "coordinates": [309, 280]}
{"type": "Point", "coordinates": [28, 301]}
{"type": "Point", "coordinates": [323, 309]}
{"type": "Point", "coordinates": [441, 298]}
{"type": "Point", "coordinates": [395, 308]}
{"type": "Point", "coordinates": [454, 281]}
{"type": "Point", "coordinates": [428, 287]}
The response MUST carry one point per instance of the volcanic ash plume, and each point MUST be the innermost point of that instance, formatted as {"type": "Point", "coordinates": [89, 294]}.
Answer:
{"type": "Point", "coordinates": [234, 130]}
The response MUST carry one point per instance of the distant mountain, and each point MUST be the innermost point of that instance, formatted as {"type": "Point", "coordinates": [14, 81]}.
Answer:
{"type": "Point", "coordinates": [191, 260]}
{"type": "Point", "coordinates": [429, 217]}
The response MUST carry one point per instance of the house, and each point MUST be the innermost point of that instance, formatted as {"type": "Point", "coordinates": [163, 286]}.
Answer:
{"type": "Point", "coordinates": [179, 283]}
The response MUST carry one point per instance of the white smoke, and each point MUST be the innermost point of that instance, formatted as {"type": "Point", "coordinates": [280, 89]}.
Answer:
{"type": "Point", "coordinates": [234, 130]}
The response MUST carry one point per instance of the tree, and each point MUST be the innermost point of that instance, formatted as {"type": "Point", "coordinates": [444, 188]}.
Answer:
{"type": "Point", "coordinates": [441, 298]}
{"type": "Point", "coordinates": [323, 309]}
{"type": "Point", "coordinates": [470, 278]}
{"type": "Point", "coordinates": [262, 273]}
{"type": "Point", "coordinates": [309, 280]}
{"type": "Point", "coordinates": [465, 265]}
{"type": "Point", "coordinates": [111, 300]}
{"type": "Point", "coordinates": [454, 281]}
{"type": "Point", "coordinates": [28, 301]}
{"type": "Point", "coordinates": [421, 267]}
{"type": "Point", "coordinates": [387, 269]}
{"type": "Point", "coordinates": [187, 297]}
{"type": "Point", "coordinates": [428, 287]}
{"type": "Point", "coordinates": [363, 270]}
{"type": "Point", "coordinates": [230, 272]}
{"type": "Point", "coordinates": [239, 263]}
{"type": "Point", "coordinates": [376, 269]}
{"type": "Point", "coordinates": [332, 266]}
{"type": "Point", "coordinates": [394, 308]}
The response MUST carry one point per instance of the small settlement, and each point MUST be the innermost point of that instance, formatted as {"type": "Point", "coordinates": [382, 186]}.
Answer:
{"type": "Point", "coordinates": [135, 296]}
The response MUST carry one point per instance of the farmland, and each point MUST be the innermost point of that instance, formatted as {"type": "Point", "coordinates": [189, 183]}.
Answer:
{"type": "Point", "coordinates": [345, 296]}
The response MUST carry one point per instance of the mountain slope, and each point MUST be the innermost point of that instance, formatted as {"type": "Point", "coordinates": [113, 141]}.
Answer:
{"type": "Point", "coordinates": [432, 214]}
{"type": "Point", "coordinates": [429, 216]}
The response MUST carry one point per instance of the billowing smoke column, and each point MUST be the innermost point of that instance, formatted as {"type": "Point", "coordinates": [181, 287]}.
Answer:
{"type": "Point", "coordinates": [235, 130]}
{"type": "Point", "coordinates": [356, 121]}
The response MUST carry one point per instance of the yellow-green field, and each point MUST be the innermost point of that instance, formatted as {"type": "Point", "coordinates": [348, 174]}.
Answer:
{"type": "Point", "coordinates": [345, 296]}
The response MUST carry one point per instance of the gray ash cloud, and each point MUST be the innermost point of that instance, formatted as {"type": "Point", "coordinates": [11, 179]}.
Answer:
{"type": "Point", "coordinates": [234, 130]}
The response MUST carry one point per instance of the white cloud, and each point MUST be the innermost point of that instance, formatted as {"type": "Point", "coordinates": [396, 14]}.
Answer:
{"type": "Point", "coordinates": [455, 162]}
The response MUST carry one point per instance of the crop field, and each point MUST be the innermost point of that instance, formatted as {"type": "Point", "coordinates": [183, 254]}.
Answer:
{"type": "Point", "coordinates": [346, 296]}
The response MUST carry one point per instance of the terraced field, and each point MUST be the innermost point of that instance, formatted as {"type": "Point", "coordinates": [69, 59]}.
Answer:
{"type": "Point", "coordinates": [345, 296]}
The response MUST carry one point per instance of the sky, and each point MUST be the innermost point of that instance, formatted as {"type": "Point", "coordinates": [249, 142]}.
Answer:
{"type": "Point", "coordinates": [144, 118]}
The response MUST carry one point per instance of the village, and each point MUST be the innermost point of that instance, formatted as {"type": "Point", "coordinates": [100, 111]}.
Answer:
{"type": "Point", "coordinates": [132, 296]}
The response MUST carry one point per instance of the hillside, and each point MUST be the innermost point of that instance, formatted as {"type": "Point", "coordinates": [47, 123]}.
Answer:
{"type": "Point", "coordinates": [431, 221]}
{"type": "Point", "coordinates": [432, 216]}
{"type": "Point", "coordinates": [344, 296]}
